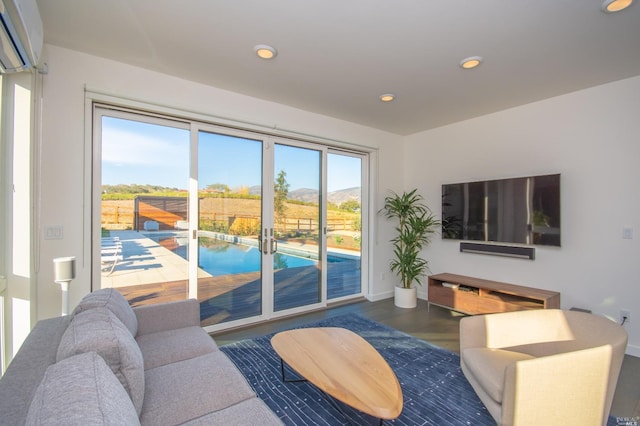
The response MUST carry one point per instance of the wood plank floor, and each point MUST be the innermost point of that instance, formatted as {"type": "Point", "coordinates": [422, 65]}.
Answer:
{"type": "Point", "coordinates": [435, 325]}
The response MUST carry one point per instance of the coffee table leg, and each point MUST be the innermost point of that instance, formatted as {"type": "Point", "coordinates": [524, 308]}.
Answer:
{"type": "Point", "coordinates": [284, 379]}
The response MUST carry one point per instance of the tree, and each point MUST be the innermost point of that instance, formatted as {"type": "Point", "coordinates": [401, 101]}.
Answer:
{"type": "Point", "coordinates": [218, 187]}
{"type": "Point", "coordinates": [350, 206]}
{"type": "Point", "coordinates": [281, 192]}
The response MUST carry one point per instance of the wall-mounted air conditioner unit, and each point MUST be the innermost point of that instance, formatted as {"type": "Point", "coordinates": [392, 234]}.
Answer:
{"type": "Point", "coordinates": [20, 34]}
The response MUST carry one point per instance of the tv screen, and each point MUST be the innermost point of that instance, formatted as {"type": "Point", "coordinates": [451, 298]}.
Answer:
{"type": "Point", "coordinates": [523, 210]}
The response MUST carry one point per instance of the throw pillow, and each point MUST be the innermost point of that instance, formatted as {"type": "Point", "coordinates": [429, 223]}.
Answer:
{"type": "Point", "coordinates": [113, 300]}
{"type": "Point", "coordinates": [81, 390]}
{"type": "Point", "coordinates": [99, 330]}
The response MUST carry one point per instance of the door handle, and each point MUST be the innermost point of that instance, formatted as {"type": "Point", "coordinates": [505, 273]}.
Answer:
{"type": "Point", "coordinates": [274, 245]}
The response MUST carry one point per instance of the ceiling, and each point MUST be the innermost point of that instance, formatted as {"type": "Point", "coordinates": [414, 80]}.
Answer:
{"type": "Point", "coordinates": [336, 57]}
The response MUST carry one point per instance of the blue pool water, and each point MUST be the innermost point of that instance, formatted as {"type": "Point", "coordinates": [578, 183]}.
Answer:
{"type": "Point", "coordinates": [224, 258]}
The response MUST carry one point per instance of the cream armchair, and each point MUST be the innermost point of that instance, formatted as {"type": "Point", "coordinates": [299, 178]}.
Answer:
{"type": "Point", "coordinates": [543, 367]}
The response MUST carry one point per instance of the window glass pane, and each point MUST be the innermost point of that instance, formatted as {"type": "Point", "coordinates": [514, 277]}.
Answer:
{"type": "Point", "coordinates": [230, 221]}
{"type": "Point", "coordinates": [344, 225]}
{"type": "Point", "coordinates": [144, 210]}
{"type": "Point", "coordinates": [296, 212]}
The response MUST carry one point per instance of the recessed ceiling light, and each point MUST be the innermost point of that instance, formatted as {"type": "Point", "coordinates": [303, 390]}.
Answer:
{"type": "Point", "coordinates": [471, 62]}
{"type": "Point", "coordinates": [265, 52]}
{"type": "Point", "coordinates": [387, 97]}
{"type": "Point", "coordinates": [612, 6]}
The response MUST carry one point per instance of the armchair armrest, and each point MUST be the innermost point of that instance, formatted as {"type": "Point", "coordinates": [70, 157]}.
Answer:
{"type": "Point", "coordinates": [567, 388]}
{"type": "Point", "coordinates": [473, 332]}
{"type": "Point", "coordinates": [167, 316]}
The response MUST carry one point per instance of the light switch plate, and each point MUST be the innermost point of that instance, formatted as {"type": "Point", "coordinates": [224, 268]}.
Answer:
{"type": "Point", "coordinates": [53, 232]}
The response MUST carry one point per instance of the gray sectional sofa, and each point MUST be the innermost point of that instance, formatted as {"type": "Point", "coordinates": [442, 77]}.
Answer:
{"type": "Point", "coordinates": [109, 364]}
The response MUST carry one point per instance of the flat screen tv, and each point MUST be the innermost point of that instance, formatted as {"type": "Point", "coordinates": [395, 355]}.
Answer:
{"type": "Point", "coordinates": [524, 210]}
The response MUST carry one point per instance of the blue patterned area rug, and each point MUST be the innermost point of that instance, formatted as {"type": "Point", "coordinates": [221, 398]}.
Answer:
{"type": "Point", "coordinates": [435, 391]}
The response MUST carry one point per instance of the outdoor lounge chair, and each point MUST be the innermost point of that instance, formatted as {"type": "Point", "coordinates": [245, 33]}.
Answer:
{"type": "Point", "coordinates": [110, 255]}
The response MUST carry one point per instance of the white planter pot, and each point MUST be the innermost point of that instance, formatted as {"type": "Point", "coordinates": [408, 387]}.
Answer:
{"type": "Point", "coordinates": [406, 297]}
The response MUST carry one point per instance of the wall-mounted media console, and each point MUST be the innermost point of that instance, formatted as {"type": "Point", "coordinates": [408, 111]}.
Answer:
{"type": "Point", "coordinates": [477, 296]}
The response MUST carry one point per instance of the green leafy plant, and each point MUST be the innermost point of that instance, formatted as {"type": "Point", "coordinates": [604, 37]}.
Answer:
{"type": "Point", "coordinates": [416, 224]}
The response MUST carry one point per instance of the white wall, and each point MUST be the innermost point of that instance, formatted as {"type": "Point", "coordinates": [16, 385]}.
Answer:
{"type": "Point", "coordinates": [591, 138]}
{"type": "Point", "coordinates": [62, 175]}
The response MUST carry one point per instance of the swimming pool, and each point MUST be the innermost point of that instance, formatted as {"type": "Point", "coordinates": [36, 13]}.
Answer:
{"type": "Point", "coordinates": [224, 258]}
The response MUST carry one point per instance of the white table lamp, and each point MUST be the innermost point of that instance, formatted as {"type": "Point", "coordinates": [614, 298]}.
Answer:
{"type": "Point", "coordinates": [64, 271]}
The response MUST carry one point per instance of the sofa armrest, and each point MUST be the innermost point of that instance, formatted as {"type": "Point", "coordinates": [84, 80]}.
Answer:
{"type": "Point", "coordinates": [167, 316]}
{"type": "Point", "coordinates": [568, 388]}
{"type": "Point", "coordinates": [26, 370]}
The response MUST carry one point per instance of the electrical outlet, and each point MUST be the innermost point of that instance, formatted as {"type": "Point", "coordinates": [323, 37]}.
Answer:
{"type": "Point", "coordinates": [625, 316]}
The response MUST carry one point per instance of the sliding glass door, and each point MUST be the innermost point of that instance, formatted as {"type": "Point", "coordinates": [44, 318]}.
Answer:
{"type": "Point", "coordinates": [296, 244]}
{"type": "Point", "coordinates": [229, 206]}
{"type": "Point", "coordinates": [345, 175]}
{"type": "Point", "coordinates": [142, 201]}
{"type": "Point", "coordinates": [253, 226]}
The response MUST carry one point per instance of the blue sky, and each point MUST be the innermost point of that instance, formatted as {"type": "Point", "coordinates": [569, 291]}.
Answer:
{"type": "Point", "coordinates": [134, 152]}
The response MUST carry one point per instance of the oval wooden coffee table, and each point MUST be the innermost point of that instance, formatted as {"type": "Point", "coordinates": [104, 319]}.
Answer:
{"type": "Point", "coordinates": [343, 365]}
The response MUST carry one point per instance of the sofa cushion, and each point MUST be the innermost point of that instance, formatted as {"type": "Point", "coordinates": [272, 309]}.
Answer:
{"type": "Point", "coordinates": [488, 367]}
{"type": "Point", "coordinates": [99, 330]}
{"type": "Point", "coordinates": [113, 300]}
{"type": "Point", "coordinates": [165, 347]}
{"type": "Point", "coordinates": [250, 412]}
{"type": "Point", "coordinates": [81, 390]}
{"type": "Point", "coordinates": [192, 388]}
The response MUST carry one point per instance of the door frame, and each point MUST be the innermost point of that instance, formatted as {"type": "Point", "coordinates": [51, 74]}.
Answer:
{"type": "Point", "coordinates": [193, 119]}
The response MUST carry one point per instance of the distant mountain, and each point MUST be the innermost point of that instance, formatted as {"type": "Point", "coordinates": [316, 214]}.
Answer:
{"type": "Point", "coordinates": [343, 195]}
{"type": "Point", "coordinates": [337, 197]}
{"type": "Point", "coordinates": [304, 194]}
{"type": "Point", "coordinates": [311, 195]}
{"type": "Point", "coordinates": [255, 190]}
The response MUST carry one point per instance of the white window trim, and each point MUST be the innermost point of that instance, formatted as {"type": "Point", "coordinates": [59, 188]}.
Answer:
{"type": "Point", "coordinates": [175, 115]}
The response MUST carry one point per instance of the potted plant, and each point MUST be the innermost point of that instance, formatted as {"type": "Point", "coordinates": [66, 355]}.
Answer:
{"type": "Point", "coordinates": [416, 224]}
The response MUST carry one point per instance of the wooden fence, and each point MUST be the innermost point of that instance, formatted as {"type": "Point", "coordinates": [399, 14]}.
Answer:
{"type": "Point", "coordinates": [169, 210]}
{"type": "Point", "coordinates": [116, 217]}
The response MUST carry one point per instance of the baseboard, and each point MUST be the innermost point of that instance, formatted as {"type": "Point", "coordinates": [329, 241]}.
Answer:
{"type": "Point", "coordinates": [633, 350]}
{"type": "Point", "coordinates": [380, 296]}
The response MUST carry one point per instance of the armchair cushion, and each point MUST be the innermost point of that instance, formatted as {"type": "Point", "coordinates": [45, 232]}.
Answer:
{"type": "Point", "coordinates": [488, 366]}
